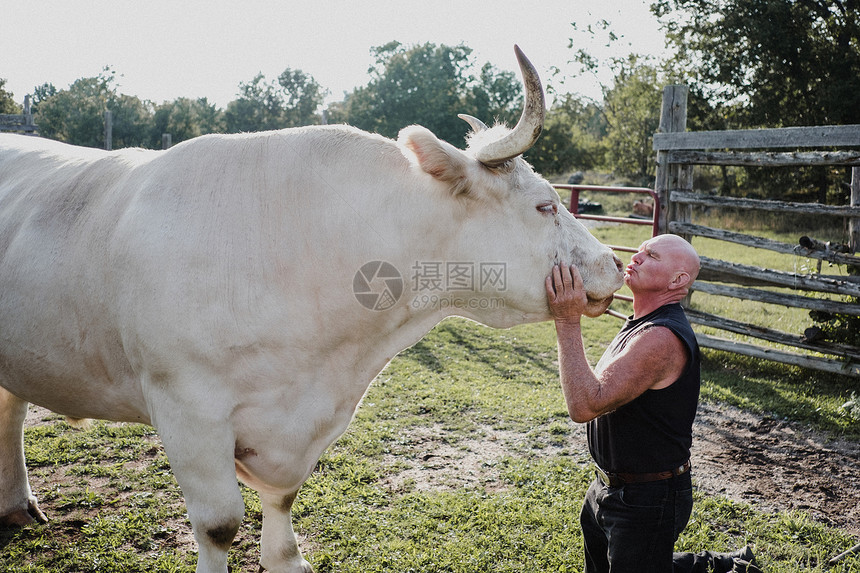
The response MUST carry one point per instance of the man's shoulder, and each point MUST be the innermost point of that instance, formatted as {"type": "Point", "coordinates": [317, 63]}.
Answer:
{"type": "Point", "coordinates": [674, 319]}
{"type": "Point", "coordinates": [669, 314]}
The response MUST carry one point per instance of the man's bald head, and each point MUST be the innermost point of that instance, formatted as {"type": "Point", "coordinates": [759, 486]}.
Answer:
{"type": "Point", "coordinates": [680, 252]}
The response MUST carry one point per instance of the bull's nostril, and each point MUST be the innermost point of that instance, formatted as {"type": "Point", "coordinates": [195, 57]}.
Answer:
{"type": "Point", "coordinates": [618, 264]}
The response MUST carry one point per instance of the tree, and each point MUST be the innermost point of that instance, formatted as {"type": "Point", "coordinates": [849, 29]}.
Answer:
{"type": "Point", "coordinates": [303, 97]}
{"type": "Point", "coordinates": [290, 102]}
{"type": "Point", "coordinates": [131, 121]}
{"type": "Point", "coordinates": [7, 101]}
{"type": "Point", "coordinates": [429, 85]}
{"type": "Point", "coordinates": [496, 96]}
{"type": "Point", "coordinates": [786, 62]}
{"type": "Point", "coordinates": [632, 111]}
{"type": "Point", "coordinates": [41, 93]}
{"type": "Point", "coordinates": [76, 115]}
{"type": "Point", "coordinates": [772, 63]}
{"type": "Point", "coordinates": [422, 84]}
{"type": "Point", "coordinates": [258, 107]}
{"type": "Point", "coordinates": [630, 107]}
{"type": "Point", "coordinates": [570, 138]}
{"type": "Point", "coordinates": [210, 118]}
{"type": "Point", "coordinates": [184, 119]}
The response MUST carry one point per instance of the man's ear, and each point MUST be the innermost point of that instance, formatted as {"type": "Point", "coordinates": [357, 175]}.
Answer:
{"type": "Point", "coordinates": [681, 280]}
{"type": "Point", "coordinates": [437, 158]}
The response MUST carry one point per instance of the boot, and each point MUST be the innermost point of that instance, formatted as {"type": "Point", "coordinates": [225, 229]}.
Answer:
{"type": "Point", "coordinates": [742, 561]}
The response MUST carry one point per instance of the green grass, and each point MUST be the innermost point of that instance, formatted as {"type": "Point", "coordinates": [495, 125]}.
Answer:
{"type": "Point", "coordinates": [116, 507]}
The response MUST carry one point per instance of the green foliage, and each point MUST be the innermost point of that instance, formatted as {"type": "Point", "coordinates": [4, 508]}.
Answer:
{"type": "Point", "coordinates": [294, 100]}
{"type": "Point", "coordinates": [632, 108]}
{"type": "Point", "coordinates": [76, 115]}
{"type": "Point", "coordinates": [7, 101]}
{"type": "Point", "coordinates": [426, 84]}
{"type": "Point", "coordinates": [258, 108]}
{"type": "Point", "coordinates": [131, 119]}
{"type": "Point", "coordinates": [844, 328]}
{"type": "Point", "coordinates": [421, 84]}
{"type": "Point", "coordinates": [571, 138]}
{"type": "Point", "coordinates": [429, 85]}
{"type": "Point", "coordinates": [771, 63]}
{"type": "Point", "coordinates": [184, 119]}
{"type": "Point", "coordinates": [852, 407]}
{"type": "Point", "coordinates": [303, 97]}
{"type": "Point", "coordinates": [783, 62]}
{"type": "Point", "coordinates": [496, 97]}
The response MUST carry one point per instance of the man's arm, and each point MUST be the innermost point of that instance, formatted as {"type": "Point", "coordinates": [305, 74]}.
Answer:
{"type": "Point", "coordinates": [654, 359]}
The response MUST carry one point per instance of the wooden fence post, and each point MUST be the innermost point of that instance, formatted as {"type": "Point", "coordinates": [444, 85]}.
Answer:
{"type": "Point", "coordinates": [28, 113]}
{"type": "Point", "coordinates": [854, 223]}
{"type": "Point", "coordinates": [673, 118]}
{"type": "Point", "coordinates": [108, 130]}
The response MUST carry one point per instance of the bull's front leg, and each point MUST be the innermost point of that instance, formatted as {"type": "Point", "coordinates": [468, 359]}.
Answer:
{"type": "Point", "coordinates": [199, 444]}
{"type": "Point", "coordinates": [279, 552]}
{"type": "Point", "coordinates": [18, 505]}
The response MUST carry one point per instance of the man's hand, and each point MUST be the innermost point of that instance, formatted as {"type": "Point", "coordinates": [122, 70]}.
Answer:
{"type": "Point", "coordinates": [565, 294]}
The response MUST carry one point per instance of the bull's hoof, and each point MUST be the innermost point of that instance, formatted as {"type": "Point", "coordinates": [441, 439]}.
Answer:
{"type": "Point", "coordinates": [24, 517]}
{"type": "Point", "coordinates": [303, 567]}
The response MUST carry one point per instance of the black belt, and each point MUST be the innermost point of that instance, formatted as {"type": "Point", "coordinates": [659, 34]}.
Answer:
{"type": "Point", "coordinates": [619, 479]}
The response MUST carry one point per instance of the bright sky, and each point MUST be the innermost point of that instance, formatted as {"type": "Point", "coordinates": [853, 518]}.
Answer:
{"type": "Point", "coordinates": [165, 49]}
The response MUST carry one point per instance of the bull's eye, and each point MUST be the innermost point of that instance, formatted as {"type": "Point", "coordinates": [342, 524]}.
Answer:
{"type": "Point", "coordinates": [547, 208]}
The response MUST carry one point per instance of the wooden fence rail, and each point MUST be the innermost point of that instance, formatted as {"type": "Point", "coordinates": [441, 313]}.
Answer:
{"type": "Point", "coordinates": [687, 229]}
{"type": "Point", "coordinates": [715, 270]}
{"type": "Point", "coordinates": [678, 151]}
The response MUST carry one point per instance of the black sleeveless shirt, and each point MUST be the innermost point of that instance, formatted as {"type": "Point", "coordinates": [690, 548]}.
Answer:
{"type": "Point", "coordinates": [654, 432]}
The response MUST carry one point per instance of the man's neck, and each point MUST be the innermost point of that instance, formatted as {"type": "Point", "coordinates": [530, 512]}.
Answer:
{"type": "Point", "coordinates": [643, 305]}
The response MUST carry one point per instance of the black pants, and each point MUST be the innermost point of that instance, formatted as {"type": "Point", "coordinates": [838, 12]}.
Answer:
{"type": "Point", "coordinates": [633, 528]}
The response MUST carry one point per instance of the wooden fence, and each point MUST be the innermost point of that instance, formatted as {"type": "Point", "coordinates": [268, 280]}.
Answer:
{"type": "Point", "coordinates": [19, 122]}
{"type": "Point", "coordinates": [678, 151]}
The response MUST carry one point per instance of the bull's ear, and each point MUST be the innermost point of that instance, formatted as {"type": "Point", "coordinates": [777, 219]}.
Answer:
{"type": "Point", "coordinates": [437, 158]}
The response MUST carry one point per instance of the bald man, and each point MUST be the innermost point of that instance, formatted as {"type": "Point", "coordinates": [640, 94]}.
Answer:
{"type": "Point", "coordinates": [639, 403]}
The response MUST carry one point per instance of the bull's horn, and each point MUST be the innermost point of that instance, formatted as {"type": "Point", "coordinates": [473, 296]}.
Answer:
{"type": "Point", "coordinates": [528, 128]}
{"type": "Point", "coordinates": [477, 124]}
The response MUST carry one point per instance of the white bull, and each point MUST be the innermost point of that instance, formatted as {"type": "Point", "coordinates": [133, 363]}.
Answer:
{"type": "Point", "coordinates": [239, 293]}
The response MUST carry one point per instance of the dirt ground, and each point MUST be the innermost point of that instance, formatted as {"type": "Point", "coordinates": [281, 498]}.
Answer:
{"type": "Point", "coordinates": [776, 465]}
{"type": "Point", "coordinates": [771, 464]}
